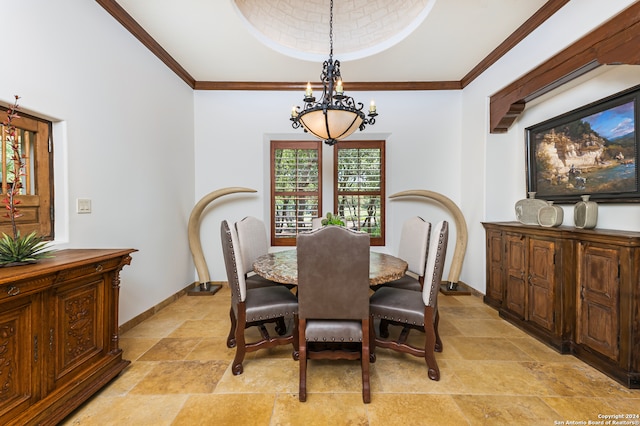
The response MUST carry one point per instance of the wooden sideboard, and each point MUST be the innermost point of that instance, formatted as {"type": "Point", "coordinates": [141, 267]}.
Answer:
{"type": "Point", "coordinates": [576, 290]}
{"type": "Point", "coordinates": [58, 333]}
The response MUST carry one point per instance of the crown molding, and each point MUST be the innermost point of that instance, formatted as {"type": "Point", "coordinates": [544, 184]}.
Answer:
{"type": "Point", "coordinates": [145, 38]}
{"type": "Point", "coordinates": [127, 21]}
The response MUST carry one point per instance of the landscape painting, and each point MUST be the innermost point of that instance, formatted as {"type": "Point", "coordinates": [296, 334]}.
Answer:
{"type": "Point", "coordinates": [592, 150]}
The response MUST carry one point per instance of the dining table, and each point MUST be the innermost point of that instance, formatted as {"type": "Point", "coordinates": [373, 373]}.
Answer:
{"type": "Point", "coordinates": [282, 267]}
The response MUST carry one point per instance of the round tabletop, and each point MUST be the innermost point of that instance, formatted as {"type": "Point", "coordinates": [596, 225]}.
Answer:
{"type": "Point", "coordinates": [282, 267]}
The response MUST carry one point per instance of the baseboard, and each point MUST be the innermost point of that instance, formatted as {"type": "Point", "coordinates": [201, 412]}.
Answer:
{"type": "Point", "coordinates": [157, 308]}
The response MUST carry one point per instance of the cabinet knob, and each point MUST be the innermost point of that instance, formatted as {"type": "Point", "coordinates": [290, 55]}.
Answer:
{"type": "Point", "coordinates": [99, 267]}
{"type": "Point", "coordinates": [13, 291]}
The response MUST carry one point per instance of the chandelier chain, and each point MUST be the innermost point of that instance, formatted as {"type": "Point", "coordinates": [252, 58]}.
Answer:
{"type": "Point", "coordinates": [331, 30]}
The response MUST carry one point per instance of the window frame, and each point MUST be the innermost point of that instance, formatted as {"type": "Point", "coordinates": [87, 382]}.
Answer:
{"type": "Point", "coordinates": [364, 144]}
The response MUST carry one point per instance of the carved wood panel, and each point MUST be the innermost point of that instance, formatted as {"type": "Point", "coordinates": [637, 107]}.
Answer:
{"type": "Point", "coordinates": [16, 353]}
{"type": "Point", "coordinates": [78, 331]}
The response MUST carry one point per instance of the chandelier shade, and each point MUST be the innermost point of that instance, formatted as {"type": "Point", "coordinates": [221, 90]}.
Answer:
{"type": "Point", "coordinates": [332, 124]}
{"type": "Point", "coordinates": [335, 116]}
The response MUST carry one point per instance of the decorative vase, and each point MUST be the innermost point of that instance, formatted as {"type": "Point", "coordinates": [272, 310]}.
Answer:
{"type": "Point", "coordinates": [550, 215]}
{"type": "Point", "coordinates": [527, 209]}
{"type": "Point", "coordinates": [585, 213]}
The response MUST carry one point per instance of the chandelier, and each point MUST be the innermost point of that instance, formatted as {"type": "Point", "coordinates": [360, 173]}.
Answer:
{"type": "Point", "coordinates": [336, 115]}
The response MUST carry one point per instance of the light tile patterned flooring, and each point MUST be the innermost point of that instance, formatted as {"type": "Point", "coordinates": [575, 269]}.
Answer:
{"type": "Point", "coordinates": [492, 373]}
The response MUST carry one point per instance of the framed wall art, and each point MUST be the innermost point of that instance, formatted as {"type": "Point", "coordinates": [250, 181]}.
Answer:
{"type": "Point", "coordinates": [592, 150]}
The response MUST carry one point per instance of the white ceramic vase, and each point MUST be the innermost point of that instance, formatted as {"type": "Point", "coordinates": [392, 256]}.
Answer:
{"type": "Point", "coordinates": [585, 213]}
{"type": "Point", "coordinates": [550, 215]}
{"type": "Point", "coordinates": [527, 209]}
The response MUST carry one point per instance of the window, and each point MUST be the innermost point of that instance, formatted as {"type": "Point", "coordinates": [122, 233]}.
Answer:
{"type": "Point", "coordinates": [296, 188]}
{"type": "Point", "coordinates": [359, 181]}
{"type": "Point", "coordinates": [36, 195]}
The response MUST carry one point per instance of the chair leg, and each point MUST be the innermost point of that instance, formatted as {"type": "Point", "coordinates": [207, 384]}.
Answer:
{"type": "Point", "coordinates": [384, 328]}
{"type": "Point", "coordinates": [429, 346]}
{"type": "Point", "coordinates": [231, 341]}
{"type": "Point", "coordinates": [296, 339]}
{"type": "Point", "coordinates": [302, 391]}
{"type": "Point", "coordinates": [281, 327]}
{"type": "Point", "coordinates": [439, 346]}
{"type": "Point", "coordinates": [236, 366]}
{"type": "Point", "coordinates": [364, 359]}
{"type": "Point", "coordinates": [372, 341]}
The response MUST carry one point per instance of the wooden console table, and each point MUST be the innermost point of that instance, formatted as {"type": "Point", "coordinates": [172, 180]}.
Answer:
{"type": "Point", "coordinates": [58, 333]}
{"type": "Point", "coordinates": [576, 290]}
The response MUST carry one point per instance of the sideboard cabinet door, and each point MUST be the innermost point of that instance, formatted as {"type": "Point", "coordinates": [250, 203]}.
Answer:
{"type": "Point", "coordinates": [495, 273]}
{"type": "Point", "coordinates": [597, 313]}
{"type": "Point", "coordinates": [542, 277]}
{"type": "Point", "coordinates": [516, 283]}
{"type": "Point", "coordinates": [77, 328]}
{"type": "Point", "coordinates": [530, 261]}
{"type": "Point", "coordinates": [19, 353]}
{"type": "Point", "coordinates": [530, 295]}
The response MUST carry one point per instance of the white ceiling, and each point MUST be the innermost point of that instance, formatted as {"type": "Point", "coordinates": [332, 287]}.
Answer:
{"type": "Point", "coordinates": [431, 40]}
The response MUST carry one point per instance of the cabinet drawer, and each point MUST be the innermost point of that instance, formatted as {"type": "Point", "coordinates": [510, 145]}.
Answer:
{"type": "Point", "coordinates": [20, 288]}
{"type": "Point", "coordinates": [87, 270]}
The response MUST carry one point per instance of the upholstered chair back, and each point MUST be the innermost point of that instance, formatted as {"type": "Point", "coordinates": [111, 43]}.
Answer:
{"type": "Point", "coordinates": [233, 264]}
{"type": "Point", "coordinates": [333, 273]}
{"type": "Point", "coordinates": [252, 237]}
{"type": "Point", "coordinates": [435, 263]}
{"type": "Point", "coordinates": [414, 240]}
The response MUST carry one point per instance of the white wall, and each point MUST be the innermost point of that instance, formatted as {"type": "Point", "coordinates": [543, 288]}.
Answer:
{"type": "Point", "coordinates": [137, 141]}
{"type": "Point", "coordinates": [123, 137]}
{"type": "Point", "coordinates": [499, 180]}
{"type": "Point", "coordinates": [233, 130]}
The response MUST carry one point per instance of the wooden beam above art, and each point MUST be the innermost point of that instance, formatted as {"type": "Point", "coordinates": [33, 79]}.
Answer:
{"type": "Point", "coordinates": [613, 43]}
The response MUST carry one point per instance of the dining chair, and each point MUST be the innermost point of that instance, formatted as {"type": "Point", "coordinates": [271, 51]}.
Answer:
{"type": "Point", "coordinates": [414, 241]}
{"type": "Point", "coordinates": [333, 297]}
{"type": "Point", "coordinates": [253, 243]}
{"type": "Point", "coordinates": [316, 223]}
{"type": "Point", "coordinates": [399, 306]}
{"type": "Point", "coordinates": [254, 307]}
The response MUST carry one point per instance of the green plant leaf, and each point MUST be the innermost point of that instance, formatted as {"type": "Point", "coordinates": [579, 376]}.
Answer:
{"type": "Point", "coordinates": [30, 248]}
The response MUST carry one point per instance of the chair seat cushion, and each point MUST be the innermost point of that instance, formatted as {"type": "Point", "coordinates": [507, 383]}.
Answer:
{"type": "Point", "coordinates": [407, 282]}
{"type": "Point", "coordinates": [396, 304]}
{"type": "Point", "coordinates": [256, 281]}
{"type": "Point", "coordinates": [270, 302]}
{"type": "Point", "coordinates": [333, 331]}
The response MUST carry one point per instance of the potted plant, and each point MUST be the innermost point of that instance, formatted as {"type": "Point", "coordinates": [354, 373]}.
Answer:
{"type": "Point", "coordinates": [16, 249]}
{"type": "Point", "coordinates": [330, 219]}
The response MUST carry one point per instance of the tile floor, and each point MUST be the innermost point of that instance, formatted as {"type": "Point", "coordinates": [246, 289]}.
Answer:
{"type": "Point", "coordinates": [492, 373]}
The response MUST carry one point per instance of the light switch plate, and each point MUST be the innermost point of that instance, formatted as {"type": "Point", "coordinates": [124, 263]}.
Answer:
{"type": "Point", "coordinates": [83, 205]}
